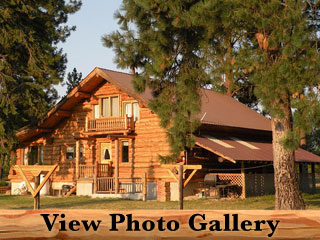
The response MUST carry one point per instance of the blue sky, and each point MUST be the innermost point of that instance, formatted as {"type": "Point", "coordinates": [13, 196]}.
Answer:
{"type": "Point", "coordinates": [84, 47]}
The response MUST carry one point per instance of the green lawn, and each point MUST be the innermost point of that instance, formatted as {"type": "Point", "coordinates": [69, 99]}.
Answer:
{"type": "Point", "coordinates": [73, 202]}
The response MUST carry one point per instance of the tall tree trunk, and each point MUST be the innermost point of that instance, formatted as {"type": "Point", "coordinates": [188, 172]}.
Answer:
{"type": "Point", "coordinates": [287, 194]}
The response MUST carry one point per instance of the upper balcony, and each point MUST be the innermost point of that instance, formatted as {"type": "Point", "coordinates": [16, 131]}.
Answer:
{"type": "Point", "coordinates": [109, 125]}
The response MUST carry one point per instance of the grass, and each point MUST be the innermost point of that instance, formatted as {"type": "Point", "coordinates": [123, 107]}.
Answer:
{"type": "Point", "coordinates": [73, 202]}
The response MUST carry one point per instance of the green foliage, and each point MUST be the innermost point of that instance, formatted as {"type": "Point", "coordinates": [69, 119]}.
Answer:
{"type": "Point", "coordinates": [285, 61]}
{"type": "Point", "coordinates": [30, 61]}
{"type": "Point", "coordinates": [73, 79]}
{"type": "Point", "coordinates": [313, 142]}
{"type": "Point", "coordinates": [164, 53]}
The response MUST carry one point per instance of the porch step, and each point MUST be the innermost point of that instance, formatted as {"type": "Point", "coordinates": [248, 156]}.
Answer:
{"type": "Point", "coordinates": [72, 190]}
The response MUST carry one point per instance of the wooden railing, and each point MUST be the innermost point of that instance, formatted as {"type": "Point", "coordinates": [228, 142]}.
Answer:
{"type": "Point", "coordinates": [105, 185]}
{"type": "Point", "coordinates": [110, 124]}
{"type": "Point", "coordinates": [103, 170]}
{"type": "Point", "coordinates": [86, 171]}
{"type": "Point", "coordinates": [126, 185]}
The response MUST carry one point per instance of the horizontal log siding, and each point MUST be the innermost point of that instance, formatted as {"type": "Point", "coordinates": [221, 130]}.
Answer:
{"type": "Point", "coordinates": [150, 140]}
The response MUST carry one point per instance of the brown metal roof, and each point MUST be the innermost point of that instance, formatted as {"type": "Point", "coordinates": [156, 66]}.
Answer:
{"type": "Point", "coordinates": [220, 109]}
{"type": "Point", "coordinates": [252, 150]}
{"type": "Point", "coordinates": [217, 109]}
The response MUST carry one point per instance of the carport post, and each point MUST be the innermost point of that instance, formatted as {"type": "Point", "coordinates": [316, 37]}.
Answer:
{"type": "Point", "coordinates": [180, 187]}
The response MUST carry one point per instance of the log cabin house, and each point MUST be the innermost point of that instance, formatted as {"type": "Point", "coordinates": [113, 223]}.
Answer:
{"type": "Point", "coordinates": [106, 141]}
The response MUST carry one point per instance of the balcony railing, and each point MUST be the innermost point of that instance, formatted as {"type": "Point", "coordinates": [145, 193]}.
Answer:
{"type": "Point", "coordinates": [110, 124]}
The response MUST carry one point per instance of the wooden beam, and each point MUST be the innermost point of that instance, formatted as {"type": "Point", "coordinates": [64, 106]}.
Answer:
{"type": "Point", "coordinates": [36, 196]}
{"type": "Point", "coordinates": [77, 158]}
{"type": "Point", "coordinates": [34, 168]}
{"type": "Point", "coordinates": [44, 130]}
{"type": "Point", "coordinates": [116, 169]}
{"type": "Point", "coordinates": [30, 188]}
{"type": "Point", "coordinates": [172, 174]}
{"type": "Point", "coordinates": [243, 195]}
{"type": "Point", "coordinates": [82, 95]}
{"type": "Point", "coordinates": [145, 187]}
{"type": "Point", "coordinates": [53, 168]}
{"type": "Point", "coordinates": [180, 187]}
{"type": "Point", "coordinates": [217, 153]}
{"type": "Point", "coordinates": [62, 113]}
{"type": "Point", "coordinates": [171, 166]}
{"type": "Point", "coordinates": [189, 178]}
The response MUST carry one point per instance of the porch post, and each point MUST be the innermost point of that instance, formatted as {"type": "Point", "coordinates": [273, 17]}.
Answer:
{"type": "Point", "coordinates": [36, 198]}
{"type": "Point", "coordinates": [313, 175]}
{"type": "Point", "coordinates": [243, 180]}
{"type": "Point", "coordinates": [116, 169]}
{"type": "Point", "coordinates": [95, 177]}
{"type": "Point", "coordinates": [180, 184]}
{"type": "Point", "coordinates": [77, 158]}
{"type": "Point", "coordinates": [38, 154]}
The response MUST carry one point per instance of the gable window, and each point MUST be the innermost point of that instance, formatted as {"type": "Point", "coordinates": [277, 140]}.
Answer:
{"type": "Point", "coordinates": [125, 151]}
{"type": "Point", "coordinates": [132, 109]}
{"type": "Point", "coordinates": [110, 107]}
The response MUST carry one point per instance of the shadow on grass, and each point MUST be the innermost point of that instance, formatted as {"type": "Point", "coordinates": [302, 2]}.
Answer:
{"type": "Point", "coordinates": [71, 203]}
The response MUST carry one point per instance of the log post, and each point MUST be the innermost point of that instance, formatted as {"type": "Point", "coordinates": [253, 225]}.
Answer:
{"type": "Point", "coordinates": [36, 198]}
{"type": "Point", "coordinates": [243, 174]}
{"type": "Point", "coordinates": [116, 169]}
{"type": "Point", "coordinates": [86, 125]}
{"type": "Point", "coordinates": [77, 158]}
{"type": "Point", "coordinates": [180, 187]}
{"type": "Point", "coordinates": [145, 187]}
{"type": "Point", "coordinates": [95, 177]}
{"type": "Point", "coordinates": [38, 154]}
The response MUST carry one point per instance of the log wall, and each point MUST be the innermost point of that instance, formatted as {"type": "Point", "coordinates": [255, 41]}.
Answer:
{"type": "Point", "coordinates": [149, 141]}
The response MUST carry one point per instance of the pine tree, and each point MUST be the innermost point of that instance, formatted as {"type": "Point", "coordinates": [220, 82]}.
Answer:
{"type": "Point", "coordinates": [30, 62]}
{"type": "Point", "coordinates": [73, 79]}
{"type": "Point", "coordinates": [164, 54]}
{"type": "Point", "coordinates": [175, 52]}
{"type": "Point", "coordinates": [286, 76]}
{"type": "Point", "coordinates": [222, 41]}
{"type": "Point", "coordinates": [180, 46]}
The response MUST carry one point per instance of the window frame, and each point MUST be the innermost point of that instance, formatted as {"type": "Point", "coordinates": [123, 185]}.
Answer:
{"type": "Point", "coordinates": [109, 105]}
{"type": "Point", "coordinates": [74, 153]}
{"type": "Point", "coordinates": [121, 150]}
{"type": "Point", "coordinates": [124, 109]}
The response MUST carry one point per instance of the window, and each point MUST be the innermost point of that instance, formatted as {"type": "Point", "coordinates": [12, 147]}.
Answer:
{"type": "Point", "coordinates": [81, 153]}
{"type": "Point", "coordinates": [70, 153]}
{"type": "Point", "coordinates": [110, 107]}
{"type": "Point", "coordinates": [132, 109]}
{"type": "Point", "coordinates": [125, 151]}
{"type": "Point", "coordinates": [96, 112]}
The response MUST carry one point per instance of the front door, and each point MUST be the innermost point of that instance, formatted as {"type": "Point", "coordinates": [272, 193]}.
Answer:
{"type": "Point", "coordinates": [106, 153]}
